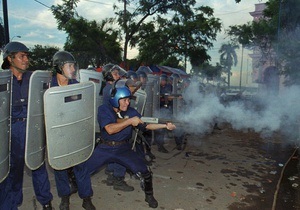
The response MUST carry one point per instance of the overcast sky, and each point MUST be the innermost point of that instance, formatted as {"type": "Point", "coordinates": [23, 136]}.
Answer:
{"type": "Point", "coordinates": [33, 21]}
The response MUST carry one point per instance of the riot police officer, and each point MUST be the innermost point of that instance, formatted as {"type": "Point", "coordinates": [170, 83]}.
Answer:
{"type": "Point", "coordinates": [165, 110]}
{"type": "Point", "coordinates": [177, 85]}
{"type": "Point", "coordinates": [115, 172]}
{"type": "Point", "coordinates": [114, 145]}
{"type": "Point", "coordinates": [16, 58]}
{"type": "Point", "coordinates": [132, 75]}
{"type": "Point", "coordinates": [65, 69]}
{"type": "Point", "coordinates": [110, 74]}
{"type": "Point", "coordinates": [142, 77]}
{"type": "Point", "coordinates": [142, 73]}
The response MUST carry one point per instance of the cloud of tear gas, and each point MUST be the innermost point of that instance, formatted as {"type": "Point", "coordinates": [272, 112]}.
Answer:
{"type": "Point", "coordinates": [261, 114]}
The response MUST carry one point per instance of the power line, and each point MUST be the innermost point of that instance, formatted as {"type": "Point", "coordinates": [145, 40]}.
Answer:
{"type": "Point", "coordinates": [42, 4]}
{"type": "Point", "coordinates": [97, 2]}
{"type": "Point", "coordinates": [229, 13]}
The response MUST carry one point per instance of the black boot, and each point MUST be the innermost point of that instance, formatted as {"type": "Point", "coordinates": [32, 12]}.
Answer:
{"type": "Point", "coordinates": [151, 201]}
{"type": "Point", "coordinates": [47, 206]}
{"type": "Point", "coordinates": [148, 188]}
{"type": "Point", "coordinates": [110, 179]}
{"type": "Point", "coordinates": [120, 184]}
{"type": "Point", "coordinates": [65, 203]}
{"type": "Point", "coordinates": [150, 154]}
{"type": "Point", "coordinates": [162, 149]}
{"type": "Point", "coordinates": [87, 204]}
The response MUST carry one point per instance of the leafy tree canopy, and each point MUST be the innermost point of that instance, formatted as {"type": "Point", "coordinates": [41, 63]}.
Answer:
{"type": "Point", "coordinates": [184, 35]}
{"type": "Point", "coordinates": [90, 41]}
{"type": "Point", "coordinates": [277, 36]}
{"type": "Point", "coordinates": [131, 21]}
{"type": "Point", "coordinates": [41, 57]}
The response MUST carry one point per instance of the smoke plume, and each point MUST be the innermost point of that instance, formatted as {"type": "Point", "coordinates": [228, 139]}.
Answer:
{"type": "Point", "coordinates": [264, 113]}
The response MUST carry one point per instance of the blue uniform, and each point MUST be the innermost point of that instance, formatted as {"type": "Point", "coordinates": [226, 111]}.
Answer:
{"type": "Point", "coordinates": [106, 93]}
{"type": "Point", "coordinates": [118, 170]}
{"type": "Point", "coordinates": [11, 189]}
{"type": "Point", "coordinates": [167, 89]}
{"type": "Point", "coordinates": [80, 171]}
{"type": "Point", "coordinates": [121, 152]}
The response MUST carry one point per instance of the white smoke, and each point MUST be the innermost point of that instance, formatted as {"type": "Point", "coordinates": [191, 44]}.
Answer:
{"type": "Point", "coordinates": [263, 114]}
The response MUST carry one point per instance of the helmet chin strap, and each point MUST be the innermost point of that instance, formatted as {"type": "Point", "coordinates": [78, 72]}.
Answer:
{"type": "Point", "coordinates": [119, 114]}
{"type": "Point", "coordinates": [17, 68]}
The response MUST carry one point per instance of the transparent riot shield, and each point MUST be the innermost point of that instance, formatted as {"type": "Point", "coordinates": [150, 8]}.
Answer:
{"type": "Point", "coordinates": [35, 147]}
{"type": "Point", "coordinates": [152, 91]}
{"type": "Point", "coordinates": [176, 101]}
{"type": "Point", "coordinates": [5, 94]}
{"type": "Point", "coordinates": [139, 100]}
{"type": "Point", "coordinates": [97, 78]}
{"type": "Point", "coordinates": [156, 95]}
{"type": "Point", "coordinates": [70, 124]}
{"type": "Point", "coordinates": [149, 103]}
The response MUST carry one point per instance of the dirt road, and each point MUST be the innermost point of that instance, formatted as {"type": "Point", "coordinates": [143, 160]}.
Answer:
{"type": "Point", "coordinates": [226, 169]}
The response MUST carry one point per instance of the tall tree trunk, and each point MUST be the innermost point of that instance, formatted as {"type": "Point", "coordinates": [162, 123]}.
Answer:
{"type": "Point", "coordinates": [228, 77]}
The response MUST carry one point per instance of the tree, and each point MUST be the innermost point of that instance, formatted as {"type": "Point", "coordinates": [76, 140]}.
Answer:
{"type": "Point", "coordinates": [243, 35]}
{"type": "Point", "coordinates": [228, 58]}
{"type": "Point", "coordinates": [91, 42]}
{"type": "Point", "coordinates": [131, 22]}
{"type": "Point", "coordinates": [41, 57]}
{"type": "Point", "coordinates": [277, 37]}
{"type": "Point", "coordinates": [185, 35]}
{"type": "Point", "coordinates": [209, 72]}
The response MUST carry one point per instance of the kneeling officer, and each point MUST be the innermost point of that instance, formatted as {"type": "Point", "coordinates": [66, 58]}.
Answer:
{"type": "Point", "coordinates": [114, 144]}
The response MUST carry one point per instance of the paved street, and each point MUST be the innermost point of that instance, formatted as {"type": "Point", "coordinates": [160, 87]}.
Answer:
{"type": "Point", "coordinates": [226, 169]}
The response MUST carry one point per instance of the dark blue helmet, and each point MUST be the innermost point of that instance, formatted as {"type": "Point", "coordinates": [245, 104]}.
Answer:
{"type": "Point", "coordinates": [60, 58]}
{"type": "Point", "coordinates": [141, 74]}
{"type": "Point", "coordinates": [132, 75]}
{"type": "Point", "coordinates": [163, 77]}
{"type": "Point", "coordinates": [14, 47]}
{"type": "Point", "coordinates": [109, 68]}
{"type": "Point", "coordinates": [117, 94]}
{"type": "Point", "coordinates": [10, 49]}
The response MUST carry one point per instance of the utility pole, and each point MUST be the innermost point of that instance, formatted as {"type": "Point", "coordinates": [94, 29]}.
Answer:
{"type": "Point", "coordinates": [126, 34]}
{"type": "Point", "coordinates": [5, 17]}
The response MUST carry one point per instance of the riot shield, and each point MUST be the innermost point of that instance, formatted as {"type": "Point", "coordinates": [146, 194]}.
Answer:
{"type": "Point", "coordinates": [70, 124]}
{"type": "Point", "coordinates": [178, 103]}
{"type": "Point", "coordinates": [152, 91]}
{"type": "Point", "coordinates": [35, 129]}
{"type": "Point", "coordinates": [139, 101]}
{"type": "Point", "coordinates": [97, 78]}
{"type": "Point", "coordinates": [5, 94]}
{"type": "Point", "coordinates": [156, 95]}
{"type": "Point", "coordinates": [175, 106]}
{"type": "Point", "coordinates": [149, 103]}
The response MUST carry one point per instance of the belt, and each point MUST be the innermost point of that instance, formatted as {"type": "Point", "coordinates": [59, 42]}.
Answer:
{"type": "Point", "coordinates": [13, 120]}
{"type": "Point", "coordinates": [113, 143]}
